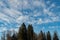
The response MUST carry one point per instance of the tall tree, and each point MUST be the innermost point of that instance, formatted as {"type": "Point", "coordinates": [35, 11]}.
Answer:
{"type": "Point", "coordinates": [48, 36]}
{"type": "Point", "coordinates": [40, 36]}
{"type": "Point", "coordinates": [55, 37]}
{"type": "Point", "coordinates": [44, 36]}
{"type": "Point", "coordinates": [22, 33]}
{"type": "Point", "coordinates": [14, 37]}
{"type": "Point", "coordinates": [8, 35]}
{"type": "Point", "coordinates": [30, 32]}
{"type": "Point", "coordinates": [34, 36]}
{"type": "Point", "coordinates": [3, 37]}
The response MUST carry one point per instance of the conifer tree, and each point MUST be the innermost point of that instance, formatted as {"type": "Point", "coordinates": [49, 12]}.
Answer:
{"type": "Point", "coordinates": [48, 36]}
{"type": "Point", "coordinates": [22, 33]}
{"type": "Point", "coordinates": [30, 32]}
{"type": "Point", "coordinates": [55, 37]}
{"type": "Point", "coordinates": [14, 37]}
{"type": "Point", "coordinates": [40, 36]}
{"type": "Point", "coordinates": [34, 36]}
{"type": "Point", "coordinates": [3, 37]}
{"type": "Point", "coordinates": [44, 36]}
{"type": "Point", "coordinates": [8, 35]}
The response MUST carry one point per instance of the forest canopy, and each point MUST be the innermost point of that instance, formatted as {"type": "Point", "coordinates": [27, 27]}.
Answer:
{"type": "Point", "coordinates": [28, 34]}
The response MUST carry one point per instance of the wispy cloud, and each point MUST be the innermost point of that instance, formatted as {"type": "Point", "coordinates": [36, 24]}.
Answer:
{"type": "Point", "coordinates": [28, 11]}
{"type": "Point", "coordinates": [54, 27]}
{"type": "Point", "coordinates": [3, 29]}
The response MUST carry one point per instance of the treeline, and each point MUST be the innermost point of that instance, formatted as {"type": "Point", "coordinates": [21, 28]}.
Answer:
{"type": "Point", "coordinates": [28, 34]}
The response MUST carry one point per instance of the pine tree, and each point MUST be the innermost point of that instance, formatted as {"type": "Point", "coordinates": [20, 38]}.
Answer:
{"type": "Point", "coordinates": [14, 37]}
{"type": "Point", "coordinates": [8, 35]}
{"type": "Point", "coordinates": [30, 32]}
{"type": "Point", "coordinates": [3, 37]}
{"type": "Point", "coordinates": [48, 36]}
{"type": "Point", "coordinates": [22, 34]}
{"type": "Point", "coordinates": [44, 36]}
{"type": "Point", "coordinates": [55, 37]}
{"type": "Point", "coordinates": [34, 36]}
{"type": "Point", "coordinates": [40, 36]}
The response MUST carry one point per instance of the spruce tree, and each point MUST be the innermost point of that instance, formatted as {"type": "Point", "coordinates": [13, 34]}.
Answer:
{"type": "Point", "coordinates": [14, 37]}
{"type": "Point", "coordinates": [48, 36]}
{"type": "Point", "coordinates": [55, 37]}
{"type": "Point", "coordinates": [30, 32]}
{"type": "Point", "coordinates": [8, 36]}
{"type": "Point", "coordinates": [22, 33]}
{"type": "Point", "coordinates": [40, 36]}
{"type": "Point", "coordinates": [34, 36]}
{"type": "Point", "coordinates": [44, 36]}
{"type": "Point", "coordinates": [3, 37]}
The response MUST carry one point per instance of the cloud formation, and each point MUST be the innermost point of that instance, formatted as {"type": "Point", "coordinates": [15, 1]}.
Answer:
{"type": "Point", "coordinates": [28, 11]}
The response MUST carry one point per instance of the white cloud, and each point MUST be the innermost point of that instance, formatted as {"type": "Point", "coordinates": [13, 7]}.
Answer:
{"type": "Point", "coordinates": [2, 4]}
{"type": "Point", "coordinates": [51, 6]}
{"type": "Point", "coordinates": [38, 3]}
{"type": "Point", "coordinates": [47, 20]}
{"type": "Point", "coordinates": [32, 22]}
{"type": "Point", "coordinates": [2, 29]}
{"type": "Point", "coordinates": [47, 12]}
{"type": "Point", "coordinates": [54, 27]}
{"type": "Point", "coordinates": [13, 3]}
{"type": "Point", "coordinates": [22, 19]}
{"type": "Point", "coordinates": [40, 21]}
{"type": "Point", "coordinates": [37, 13]}
{"type": "Point", "coordinates": [25, 3]}
{"type": "Point", "coordinates": [11, 12]}
{"type": "Point", "coordinates": [55, 18]}
{"type": "Point", "coordinates": [48, 2]}
{"type": "Point", "coordinates": [4, 17]}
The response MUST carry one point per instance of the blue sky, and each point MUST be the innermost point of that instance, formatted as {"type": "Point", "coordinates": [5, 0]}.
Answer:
{"type": "Point", "coordinates": [42, 14]}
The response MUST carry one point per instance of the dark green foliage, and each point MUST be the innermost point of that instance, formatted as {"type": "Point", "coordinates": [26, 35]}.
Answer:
{"type": "Point", "coordinates": [55, 37]}
{"type": "Point", "coordinates": [44, 36]}
{"type": "Point", "coordinates": [41, 36]}
{"type": "Point", "coordinates": [34, 36]}
{"type": "Point", "coordinates": [28, 34]}
{"type": "Point", "coordinates": [14, 37]}
{"type": "Point", "coordinates": [3, 36]}
{"type": "Point", "coordinates": [48, 36]}
{"type": "Point", "coordinates": [22, 34]}
{"type": "Point", "coordinates": [8, 35]}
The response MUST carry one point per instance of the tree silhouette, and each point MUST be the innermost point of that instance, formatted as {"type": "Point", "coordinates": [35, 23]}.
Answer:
{"type": "Point", "coordinates": [14, 37]}
{"type": "Point", "coordinates": [8, 35]}
{"type": "Point", "coordinates": [48, 36]}
{"type": "Point", "coordinates": [34, 36]}
{"type": "Point", "coordinates": [22, 34]}
{"type": "Point", "coordinates": [3, 37]}
{"type": "Point", "coordinates": [55, 37]}
{"type": "Point", "coordinates": [40, 36]}
{"type": "Point", "coordinates": [44, 36]}
{"type": "Point", "coordinates": [30, 32]}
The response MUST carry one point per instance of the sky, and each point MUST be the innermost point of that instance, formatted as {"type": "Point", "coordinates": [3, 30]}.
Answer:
{"type": "Point", "coordinates": [42, 14]}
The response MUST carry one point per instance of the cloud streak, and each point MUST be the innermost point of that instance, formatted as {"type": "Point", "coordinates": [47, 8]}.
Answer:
{"type": "Point", "coordinates": [28, 11]}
